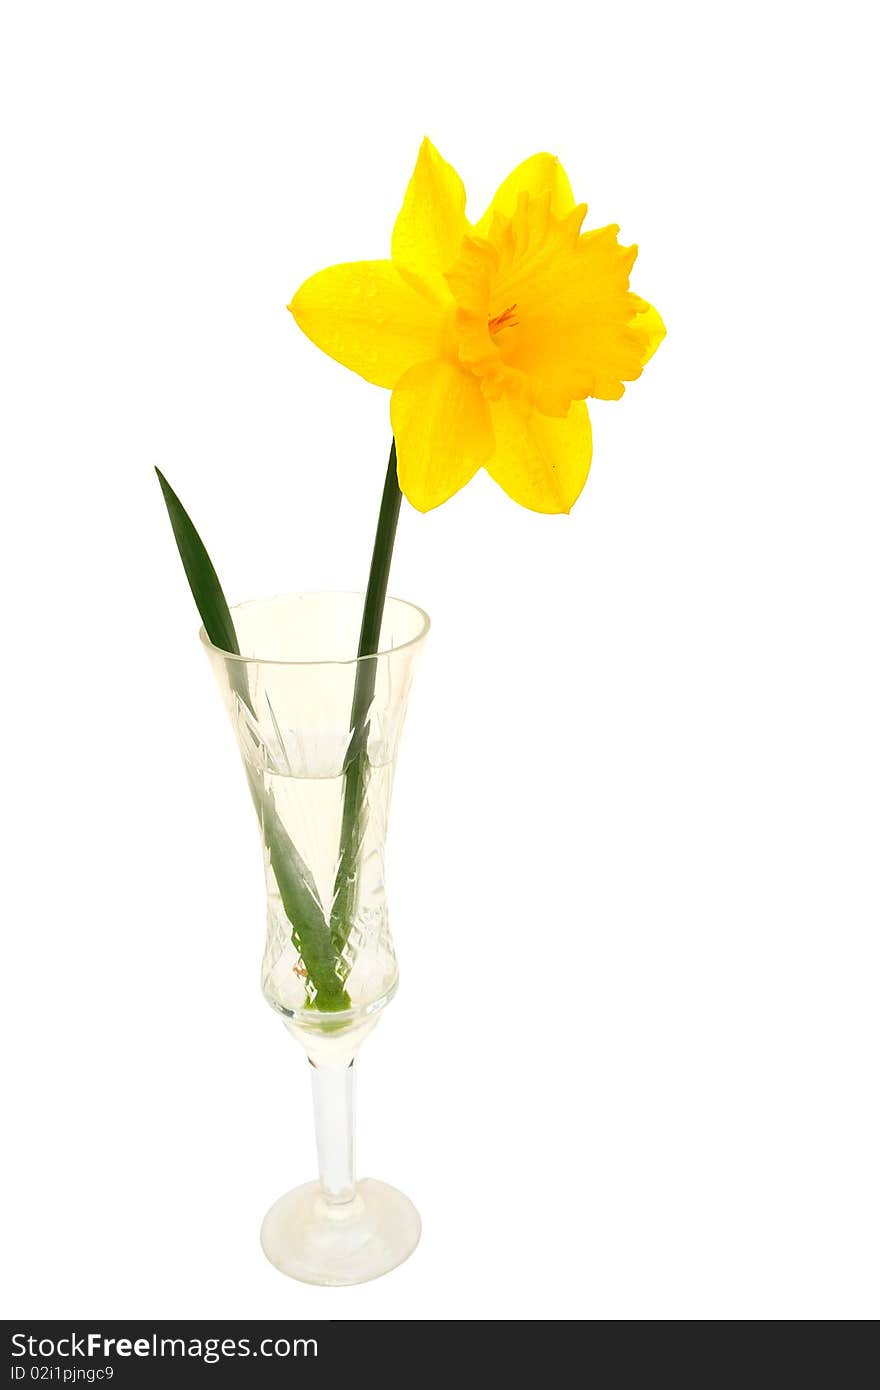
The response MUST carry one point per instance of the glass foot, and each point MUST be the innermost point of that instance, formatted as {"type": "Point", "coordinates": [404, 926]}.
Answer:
{"type": "Point", "coordinates": [321, 1242]}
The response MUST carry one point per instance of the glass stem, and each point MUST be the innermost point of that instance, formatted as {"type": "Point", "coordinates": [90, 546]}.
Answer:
{"type": "Point", "coordinates": [333, 1099]}
{"type": "Point", "coordinates": [357, 761]}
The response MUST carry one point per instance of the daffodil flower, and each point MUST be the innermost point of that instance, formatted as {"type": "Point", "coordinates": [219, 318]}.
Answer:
{"type": "Point", "coordinates": [490, 335]}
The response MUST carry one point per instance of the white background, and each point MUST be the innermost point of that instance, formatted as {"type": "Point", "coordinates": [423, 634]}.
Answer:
{"type": "Point", "coordinates": [631, 1071]}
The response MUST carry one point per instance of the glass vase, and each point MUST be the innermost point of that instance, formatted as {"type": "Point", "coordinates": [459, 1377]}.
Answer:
{"type": "Point", "coordinates": [318, 730]}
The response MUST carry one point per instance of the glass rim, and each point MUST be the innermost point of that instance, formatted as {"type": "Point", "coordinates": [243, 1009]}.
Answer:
{"type": "Point", "coordinates": [332, 661]}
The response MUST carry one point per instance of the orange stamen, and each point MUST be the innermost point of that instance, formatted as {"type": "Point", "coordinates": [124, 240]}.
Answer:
{"type": "Point", "coordinates": [505, 320]}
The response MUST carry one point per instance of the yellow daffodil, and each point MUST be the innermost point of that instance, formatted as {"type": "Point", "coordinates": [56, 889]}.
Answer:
{"type": "Point", "coordinates": [489, 335]}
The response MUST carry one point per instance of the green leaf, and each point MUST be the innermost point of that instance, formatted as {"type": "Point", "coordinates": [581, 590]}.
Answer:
{"type": "Point", "coordinates": [202, 576]}
{"type": "Point", "coordinates": [302, 907]}
{"type": "Point", "coordinates": [296, 886]}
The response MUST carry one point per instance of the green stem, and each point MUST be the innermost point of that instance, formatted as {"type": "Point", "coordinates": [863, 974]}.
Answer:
{"type": "Point", "coordinates": [357, 762]}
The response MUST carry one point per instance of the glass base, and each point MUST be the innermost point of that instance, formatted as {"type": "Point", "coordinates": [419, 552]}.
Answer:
{"type": "Point", "coordinates": [321, 1242]}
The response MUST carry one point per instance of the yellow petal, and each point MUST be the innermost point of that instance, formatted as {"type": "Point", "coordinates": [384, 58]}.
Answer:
{"type": "Point", "coordinates": [368, 317]}
{"type": "Point", "coordinates": [649, 323]}
{"type": "Point", "coordinates": [441, 424]}
{"type": "Point", "coordinates": [541, 461]}
{"type": "Point", "coordinates": [431, 224]}
{"type": "Point", "coordinates": [540, 174]}
{"type": "Point", "coordinates": [577, 332]}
